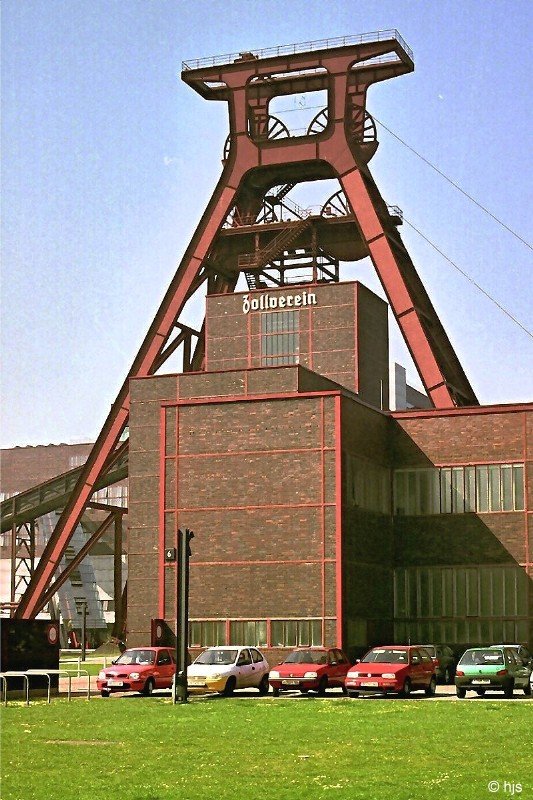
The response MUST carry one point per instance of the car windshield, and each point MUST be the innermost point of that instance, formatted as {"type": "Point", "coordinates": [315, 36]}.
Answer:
{"type": "Point", "coordinates": [385, 655]}
{"type": "Point", "coordinates": [136, 657]}
{"type": "Point", "coordinates": [223, 657]}
{"type": "Point", "coordinates": [430, 649]}
{"type": "Point", "coordinates": [307, 657]}
{"type": "Point", "coordinates": [482, 657]}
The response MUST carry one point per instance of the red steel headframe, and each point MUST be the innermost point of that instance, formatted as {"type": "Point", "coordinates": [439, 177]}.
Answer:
{"type": "Point", "coordinates": [255, 163]}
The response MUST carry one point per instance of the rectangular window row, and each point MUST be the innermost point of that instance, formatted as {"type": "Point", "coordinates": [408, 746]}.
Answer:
{"type": "Point", "coordinates": [112, 495]}
{"type": "Point", "coordinates": [425, 592]}
{"type": "Point", "coordinates": [456, 490]}
{"type": "Point", "coordinates": [283, 632]}
{"type": "Point", "coordinates": [461, 631]}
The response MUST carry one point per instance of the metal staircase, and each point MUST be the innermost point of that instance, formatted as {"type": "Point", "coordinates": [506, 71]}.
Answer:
{"type": "Point", "coordinates": [80, 588]}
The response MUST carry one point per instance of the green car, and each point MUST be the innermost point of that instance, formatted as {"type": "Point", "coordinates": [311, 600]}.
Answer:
{"type": "Point", "coordinates": [493, 668]}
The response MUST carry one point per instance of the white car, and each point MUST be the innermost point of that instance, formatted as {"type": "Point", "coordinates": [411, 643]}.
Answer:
{"type": "Point", "coordinates": [223, 669]}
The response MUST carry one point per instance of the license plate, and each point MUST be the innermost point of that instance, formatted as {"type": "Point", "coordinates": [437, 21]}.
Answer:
{"type": "Point", "coordinates": [115, 683]}
{"type": "Point", "coordinates": [291, 683]}
{"type": "Point", "coordinates": [480, 680]}
{"type": "Point", "coordinates": [370, 683]}
{"type": "Point", "coordinates": [193, 682]}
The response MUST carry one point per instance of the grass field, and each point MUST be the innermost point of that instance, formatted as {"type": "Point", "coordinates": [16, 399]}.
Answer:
{"type": "Point", "coordinates": [136, 748]}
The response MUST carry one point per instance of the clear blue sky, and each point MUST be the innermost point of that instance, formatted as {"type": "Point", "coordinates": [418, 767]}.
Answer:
{"type": "Point", "coordinates": [109, 161]}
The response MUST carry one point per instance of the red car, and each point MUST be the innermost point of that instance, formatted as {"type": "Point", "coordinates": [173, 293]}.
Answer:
{"type": "Point", "coordinates": [141, 669]}
{"type": "Point", "coordinates": [316, 668]}
{"type": "Point", "coordinates": [395, 668]}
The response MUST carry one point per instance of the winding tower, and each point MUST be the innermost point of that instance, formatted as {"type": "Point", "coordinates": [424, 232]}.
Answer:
{"type": "Point", "coordinates": [251, 227]}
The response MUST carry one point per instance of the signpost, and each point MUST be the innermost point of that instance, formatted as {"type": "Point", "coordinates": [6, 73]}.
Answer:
{"type": "Point", "coordinates": [181, 554]}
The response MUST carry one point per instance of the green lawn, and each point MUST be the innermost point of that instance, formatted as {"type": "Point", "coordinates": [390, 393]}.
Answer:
{"type": "Point", "coordinates": [136, 748]}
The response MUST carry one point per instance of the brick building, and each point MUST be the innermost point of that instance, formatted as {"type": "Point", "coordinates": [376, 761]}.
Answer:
{"type": "Point", "coordinates": [319, 515]}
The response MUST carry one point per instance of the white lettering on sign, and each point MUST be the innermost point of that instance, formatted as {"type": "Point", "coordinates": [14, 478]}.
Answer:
{"type": "Point", "coordinates": [271, 302]}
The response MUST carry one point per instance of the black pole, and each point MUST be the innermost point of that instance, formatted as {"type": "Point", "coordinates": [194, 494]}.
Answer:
{"type": "Point", "coordinates": [83, 630]}
{"type": "Point", "coordinates": [182, 615]}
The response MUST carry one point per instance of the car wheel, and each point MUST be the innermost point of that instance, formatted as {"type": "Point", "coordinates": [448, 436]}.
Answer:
{"type": "Point", "coordinates": [275, 692]}
{"type": "Point", "coordinates": [460, 692]}
{"type": "Point", "coordinates": [448, 676]}
{"type": "Point", "coordinates": [480, 692]}
{"type": "Point", "coordinates": [303, 690]}
{"type": "Point", "coordinates": [322, 686]}
{"type": "Point", "coordinates": [352, 694]}
{"type": "Point", "coordinates": [263, 686]}
{"type": "Point", "coordinates": [149, 687]}
{"type": "Point", "coordinates": [105, 692]}
{"type": "Point", "coordinates": [229, 688]}
{"type": "Point", "coordinates": [432, 688]}
{"type": "Point", "coordinates": [344, 689]}
{"type": "Point", "coordinates": [527, 690]}
{"type": "Point", "coordinates": [406, 691]}
{"type": "Point", "coordinates": [508, 691]}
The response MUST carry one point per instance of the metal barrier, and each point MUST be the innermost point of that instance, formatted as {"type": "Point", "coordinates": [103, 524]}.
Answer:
{"type": "Point", "coordinates": [15, 674]}
{"type": "Point", "coordinates": [46, 673]}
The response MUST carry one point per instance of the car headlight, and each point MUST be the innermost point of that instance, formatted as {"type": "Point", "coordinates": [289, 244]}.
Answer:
{"type": "Point", "coordinates": [311, 675]}
{"type": "Point", "coordinates": [215, 677]}
{"type": "Point", "coordinates": [135, 676]}
{"type": "Point", "coordinates": [101, 675]}
{"type": "Point", "coordinates": [274, 673]}
{"type": "Point", "coordinates": [389, 675]}
{"type": "Point", "coordinates": [353, 675]}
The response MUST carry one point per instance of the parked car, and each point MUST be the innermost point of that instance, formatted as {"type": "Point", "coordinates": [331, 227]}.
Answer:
{"type": "Point", "coordinates": [139, 669]}
{"type": "Point", "coordinates": [223, 669]}
{"type": "Point", "coordinates": [310, 668]}
{"type": "Point", "coordinates": [398, 669]}
{"type": "Point", "coordinates": [444, 659]}
{"type": "Point", "coordinates": [522, 652]}
{"type": "Point", "coordinates": [491, 668]}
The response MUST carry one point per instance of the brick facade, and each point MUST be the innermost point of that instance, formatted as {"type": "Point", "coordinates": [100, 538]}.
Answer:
{"type": "Point", "coordinates": [274, 469]}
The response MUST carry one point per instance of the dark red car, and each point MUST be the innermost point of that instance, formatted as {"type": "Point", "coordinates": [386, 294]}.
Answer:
{"type": "Point", "coordinates": [393, 668]}
{"type": "Point", "coordinates": [315, 668]}
{"type": "Point", "coordinates": [140, 669]}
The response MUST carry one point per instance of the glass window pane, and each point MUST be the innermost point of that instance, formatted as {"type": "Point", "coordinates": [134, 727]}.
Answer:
{"type": "Point", "coordinates": [261, 633]}
{"type": "Point", "coordinates": [518, 475]}
{"type": "Point", "coordinates": [446, 490]}
{"type": "Point", "coordinates": [482, 488]}
{"type": "Point", "coordinates": [460, 592]}
{"type": "Point", "coordinates": [507, 487]}
{"type": "Point", "coordinates": [290, 633]}
{"type": "Point", "coordinates": [316, 632]}
{"type": "Point", "coordinates": [303, 633]}
{"type": "Point", "coordinates": [276, 633]}
{"type": "Point", "coordinates": [494, 488]}
{"type": "Point", "coordinates": [458, 490]}
{"type": "Point", "coordinates": [472, 593]}
{"type": "Point", "coordinates": [470, 488]}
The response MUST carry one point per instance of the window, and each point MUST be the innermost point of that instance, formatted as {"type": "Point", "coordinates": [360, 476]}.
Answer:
{"type": "Point", "coordinates": [77, 461]}
{"type": "Point", "coordinates": [207, 633]}
{"type": "Point", "coordinates": [367, 485]}
{"type": "Point", "coordinates": [257, 658]}
{"type": "Point", "coordinates": [463, 604]}
{"type": "Point", "coordinates": [296, 632]}
{"type": "Point", "coordinates": [280, 338]}
{"type": "Point", "coordinates": [251, 632]}
{"type": "Point", "coordinates": [112, 495]}
{"type": "Point", "coordinates": [486, 488]}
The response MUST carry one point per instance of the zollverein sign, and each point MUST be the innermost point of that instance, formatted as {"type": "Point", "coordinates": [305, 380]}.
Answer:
{"type": "Point", "coordinates": [271, 302]}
